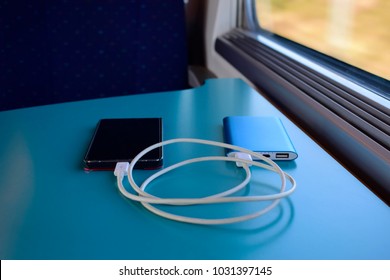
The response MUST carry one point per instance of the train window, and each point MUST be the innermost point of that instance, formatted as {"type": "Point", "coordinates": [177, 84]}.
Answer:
{"type": "Point", "coordinates": [324, 64]}
{"type": "Point", "coordinates": [354, 31]}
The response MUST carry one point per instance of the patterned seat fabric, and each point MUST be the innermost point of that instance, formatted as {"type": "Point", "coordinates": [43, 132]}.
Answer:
{"type": "Point", "coordinates": [64, 50]}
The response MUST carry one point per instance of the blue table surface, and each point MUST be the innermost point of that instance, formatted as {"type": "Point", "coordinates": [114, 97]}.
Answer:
{"type": "Point", "coordinates": [52, 209]}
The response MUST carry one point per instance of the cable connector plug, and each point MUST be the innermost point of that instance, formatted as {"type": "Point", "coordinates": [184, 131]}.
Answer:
{"type": "Point", "coordinates": [121, 169]}
{"type": "Point", "coordinates": [241, 156]}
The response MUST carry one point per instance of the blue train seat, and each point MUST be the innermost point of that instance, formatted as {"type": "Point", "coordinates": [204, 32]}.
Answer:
{"type": "Point", "coordinates": [55, 51]}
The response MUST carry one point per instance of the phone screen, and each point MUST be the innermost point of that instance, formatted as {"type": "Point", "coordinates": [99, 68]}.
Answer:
{"type": "Point", "coordinates": [120, 140]}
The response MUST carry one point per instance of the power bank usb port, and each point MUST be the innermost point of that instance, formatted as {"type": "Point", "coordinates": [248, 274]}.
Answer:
{"type": "Point", "coordinates": [281, 155]}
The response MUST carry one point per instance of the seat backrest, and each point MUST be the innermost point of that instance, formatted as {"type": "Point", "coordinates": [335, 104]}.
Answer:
{"type": "Point", "coordinates": [63, 50]}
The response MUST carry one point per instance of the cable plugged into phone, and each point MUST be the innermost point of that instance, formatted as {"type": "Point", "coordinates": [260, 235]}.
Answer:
{"type": "Point", "coordinates": [121, 169]}
{"type": "Point", "coordinates": [242, 158]}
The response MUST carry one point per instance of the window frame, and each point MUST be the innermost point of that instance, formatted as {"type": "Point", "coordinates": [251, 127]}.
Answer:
{"type": "Point", "coordinates": [360, 77]}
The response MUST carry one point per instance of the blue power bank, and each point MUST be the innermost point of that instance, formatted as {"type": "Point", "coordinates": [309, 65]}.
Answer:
{"type": "Point", "coordinates": [264, 135]}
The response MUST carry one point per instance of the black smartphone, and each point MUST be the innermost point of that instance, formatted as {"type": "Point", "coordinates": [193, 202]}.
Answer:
{"type": "Point", "coordinates": [120, 140]}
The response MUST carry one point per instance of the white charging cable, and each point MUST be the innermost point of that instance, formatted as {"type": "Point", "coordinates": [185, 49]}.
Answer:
{"type": "Point", "coordinates": [243, 158]}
